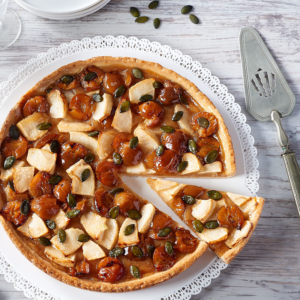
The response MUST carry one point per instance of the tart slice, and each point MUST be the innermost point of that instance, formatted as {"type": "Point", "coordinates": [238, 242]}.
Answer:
{"type": "Point", "coordinates": [225, 221]}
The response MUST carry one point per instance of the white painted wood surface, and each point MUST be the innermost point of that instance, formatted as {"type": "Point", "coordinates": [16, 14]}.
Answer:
{"type": "Point", "coordinates": [269, 266]}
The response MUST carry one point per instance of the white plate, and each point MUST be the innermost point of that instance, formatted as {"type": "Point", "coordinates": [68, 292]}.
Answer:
{"type": "Point", "coordinates": [244, 182]}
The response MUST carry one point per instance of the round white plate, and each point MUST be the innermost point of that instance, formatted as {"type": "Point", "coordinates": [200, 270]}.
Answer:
{"type": "Point", "coordinates": [244, 182]}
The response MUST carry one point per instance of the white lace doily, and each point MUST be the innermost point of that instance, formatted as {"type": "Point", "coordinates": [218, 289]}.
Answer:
{"type": "Point", "coordinates": [247, 141]}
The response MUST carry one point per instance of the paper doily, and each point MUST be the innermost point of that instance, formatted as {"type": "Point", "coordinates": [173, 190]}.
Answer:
{"type": "Point", "coordinates": [11, 275]}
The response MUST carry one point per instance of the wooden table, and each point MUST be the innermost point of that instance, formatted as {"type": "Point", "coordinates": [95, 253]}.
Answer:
{"type": "Point", "coordinates": [269, 266]}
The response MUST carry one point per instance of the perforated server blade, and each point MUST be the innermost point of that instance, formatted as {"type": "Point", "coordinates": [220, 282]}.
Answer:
{"type": "Point", "coordinates": [268, 96]}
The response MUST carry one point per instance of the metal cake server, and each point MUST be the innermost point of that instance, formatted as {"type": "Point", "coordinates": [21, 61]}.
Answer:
{"type": "Point", "coordinates": [268, 96]}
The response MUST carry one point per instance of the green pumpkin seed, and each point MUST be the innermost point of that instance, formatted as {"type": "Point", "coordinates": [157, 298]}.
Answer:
{"type": "Point", "coordinates": [137, 73]}
{"type": "Point", "coordinates": [9, 162]}
{"type": "Point", "coordinates": [117, 158]}
{"type": "Point", "coordinates": [192, 146]}
{"type": "Point", "coordinates": [137, 251]}
{"type": "Point", "coordinates": [72, 213]}
{"type": "Point", "coordinates": [215, 195]}
{"type": "Point", "coordinates": [211, 224]}
{"type": "Point", "coordinates": [44, 126]}
{"type": "Point", "coordinates": [198, 226]}
{"type": "Point", "coordinates": [50, 224]}
{"type": "Point", "coordinates": [44, 241]}
{"type": "Point", "coordinates": [116, 252]}
{"type": "Point", "coordinates": [14, 132]}
{"type": "Point", "coordinates": [141, 19]}
{"type": "Point", "coordinates": [61, 234]}
{"type": "Point", "coordinates": [85, 175]}
{"type": "Point", "coordinates": [186, 9]}
{"type": "Point", "coordinates": [116, 191]}
{"type": "Point", "coordinates": [89, 158]}
{"type": "Point", "coordinates": [156, 23]}
{"type": "Point", "coordinates": [146, 98]}
{"type": "Point", "coordinates": [167, 129]}
{"type": "Point", "coordinates": [183, 100]}
{"type": "Point", "coordinates": [177, 116]}
{"type": "Point", "coordinates": [135, 12]}
{"type": "Point", "coordinates": [135, 272]}
{"type": "Point", "coordinates": [55, 179]}
{"type": "Point", "coordinates": [150, 250]}
{"type": "Point", "coordinates": [129, 229]}
{"type": "Point", "coordinates": [49, 90]}
{"type": "Point", "coordinates": [93, 133]}
{"type": "Point", "coordinates": [124, 106]}
{"type": "Point", "coordinates": [153, 4]}
{"type": "Point", "coordinates": [89, 76]}
{"type": "Point", "coordinates": [11, 185]}
{"type": "Point", "coordinates": [182, 166]}
{"type": "Point", "coordinates": [67, 79]}
{"type": "Point", "coordinates": [203, 122]}
{"type": "Point", "coordinates": [211, 156]}
{"type": "Point", "coordinates": [160, 150]}
{"type": "Point", "coordinates": [83, 238]}
{"type": "Point", "coordinates": [188, 199]}
{"type": "Point", "coordinates": [133, 142]}
{"type": "Point", "coordinates": [71, 200]}
{"type": "Point", "coordinates": [134, 214]}
{"type": "Point", "coordinates": [164, 232]}
{"type": "Point", "coordinates": [169, 248]}
{"type": "Point", "coordinates": [120, 91]}
{"type": "Point", "coordinates": [54, 146]}
{"type": "Point", "coordinates": [97, 98]}
{"type": "Point", "coordinates": [114, 212]}
{"type": "Point", "coordinates": [157, 85]}
{"type": "Point", "coordinates": [194, 19]}
{"type": "Point", "coordinates": [25, 208]}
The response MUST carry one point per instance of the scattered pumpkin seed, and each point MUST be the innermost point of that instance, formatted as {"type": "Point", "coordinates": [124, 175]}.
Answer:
{"type": "Point", "coordinates": [129, 229]}
{"type": "Point", "coordinates": [141, 19]}
{"type": "Point", "coordinates": [93, 133]}
{"type": "Point", "coordinates": [177, 116]}
{"type": "Point", "coordinates": [137, 251]}
{"type": "Point", "coordinates": [61, 235]}
{"type": "Point", "coordinates": [211, 224]}
{"type": "Point", "coordinates": [54, 146]}
{"type": "Point", "coordinates": [157, 85]}
{"type": "Point", "coordinates": [146, 98]}
{"type": "Point", "coordinates": [50, 224]}
{"type": "Point", "coordinates": [89, 158]}
{"type": "Point", "coordinates": [203, 122]}
{"type": "Point", "coordinates": [156, 23]}
{"type": "Point", "coordinates": [85, 175]}
{"type": "Point", "coordinates": [186, 9]}
{"type": "Point", "coordinates": [83, 238]}
{"type": "Point", "coordinates": [188, 199]}
{"type": "Point", "coordinates": [211, 156]}
{"type": "Point", "coordinates": [150, 250]}
{"type": "Point", "coordinates": [167, 129]}
{"type": "Point", "coordinates": [192, 146]}
{"type": "Point", "coordinates": [153, 4]}
{"type": "Point", "coordinates": [55, 179]}
{"type": "Point", "coordinates": [134, 214]}
{"type": "Point", "coordinates": [183, 100]}
{"type": "Point", "coordinates": [116, 191]}
{"type": "Point", "coordinates": [133, 142]}
{"type": "Point", "coordinates": [137, 73]}
{"type": "Point", "coordinates": [198, 226]}
{"type": "Point", "coordinates": [135, 272]}
{"type": "Point", "coordinates": [124, 106]}
{"type": "Point", "coordinates": [116, 252]}
{"type": "Point", "coordinates": [135, 12]}
{"type": "Point", "coordinates": [97, 98]}
{"type": "Point", "coordinates": [49, 90]}
{"type": "Point", "coordinates": [194, 19]}
{"type": "Point", "coordinates": [89, 76]}
{"type": "Point", "coordinates": [164, 232]}
{"type": "Point", "coordinates": [67, 79]}
{"type": "Point", "coordinates": [9, 162]}
{"type": "Point", "coordinates": [11, 185]}
{"type": "Point", "coordinates": [117, 158]}
{"type": "Point", "coordinates": [71, 200]}
{"type": "Point", "coordinates": [44, 241]}
{"type": "Point", "coordinates": [44, 126]}
{"type": "Point", "coordinates": [120, 91]}
{"type": "Point", "coordinates": [182, 166]}
{"type": "Point", "coordinates": [215, 195]}
{"type": "Point", "coordinates": [72, 213]}
{"type": "Point", "coordinates": [169, 248]}
{"type": "Point", "coordinates": [114, 212]}
{"type": "Point", "coordinates": [14, 132]}
{"type": "Point", "coordinates": [160, 150]}
{"type": "Point", "coordinates": [25, 208]}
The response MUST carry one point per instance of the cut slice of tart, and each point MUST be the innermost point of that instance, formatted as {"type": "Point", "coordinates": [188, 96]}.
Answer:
{"type": "Point", "coordinates": [224, 220]}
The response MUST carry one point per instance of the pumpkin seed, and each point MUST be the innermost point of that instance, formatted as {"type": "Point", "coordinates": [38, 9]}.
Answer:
{"type": "Point", "coordinates": [89, 76]}
{"type": "Point", "coordinates": [116, 252]}
{"type": "Point", "coordinates": [93, 133]}
{"type": "Point", "coordinates": [50, 224]}
{"type": "Point", "coordinates": [215, 195]}
{"type": "Point", "coordinates": [160, 150]}
{"type": "Point", "coordinates": [97, 98]}
{"type": "Point", "coordinates": [116, 191]}
{"type": "Point", "coordinates": [44, 241]}
{"type": "Point", "coordinates": [117, 158]}
{"type": "Point", "coordinates": [157, 84]}
{"type": "Point", "coordinates": [11, 185]}
{"type": "Point", "coordinates": [72, 213]}
{"type": "Point", "coordinates": [203, 122]}
{"type": "Point", "coordinates": [89, 158]}
{"type": "Point", "coordinates": [54, 146]}
{"type": "Point", "coordinates": [133, 142]}
{"type": "Point", "coordinates": [134, 214]}
{"type": "Point", "coordinates": [9, 162]}
{"type": "Point", "coordinates": [120, 91]}
{"type": "Point", "coordinates": [137, 251]}
{"type": "Point", "coordinates": [188, 199]}
{"type": "Point", "coordinates": [198, 226]}
{"type": "Point", "coordinates": [150, 250]}
{"type": "Point", "coordinates": [85, 175]}
{"type": "Point", "coordinates": [137, 73]}
{"type": "Point", "coordinates": [61, 235]}
{"type": "Point", "coordinates": [186, 9]}
{"type": "Point", "coordinates": [141, 19]}
{"type": "Point", "coordinates": [156, 23]}
{"type": "Point", "coordinates": [129, 229]}
{"type": "Point", "coordinates": [164, 232]}
{"type": "Point", "coordinates": [44, 126]}
{"type": "Point", "coordinates": [55, 179]}
{"type": "Point", "coordinates": [71, 200]}
{"type": "Point", "coordinates": [167, 129]}
{"type": "Point", "coordinates": [146, 98]}
{"type": "Point", "coordinates": [83, 238]}
{"type": "Point", "coordinates": [25, 208]}
{"type": "Point", "coordinates": [169, 248]}
{"type": "Point", "coordinates": [67, 79]}
{"type": "Point", "coordinates": [135, 272]}
{"type": "Point", "coordinates": [153, 4]}
{"type": "Point", "coordinates": [182, 166]}
{"type": "Point", "coordinates": [14, 132]}
{"type": "Point", "coordinates": [49, 90]}
{"type": "Point", "coordinates": [124, 106]}
{"type": "Point", "coordinates": [135, 12]}
{"type": "Point", "coordinates": [211, 224]}
{"type": "Point", "coordinates": [211, 156]}
{"type": "Point", "coordinates": [194, 19]}
{"type": "Point", "coordinates": [114, 212]}
{"type": "Point", "coordinates": [192, 146]}
{"type": "Point", "coordinates": [183, 100]}
{"type": "Point", "coordinates": [177, 116]}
